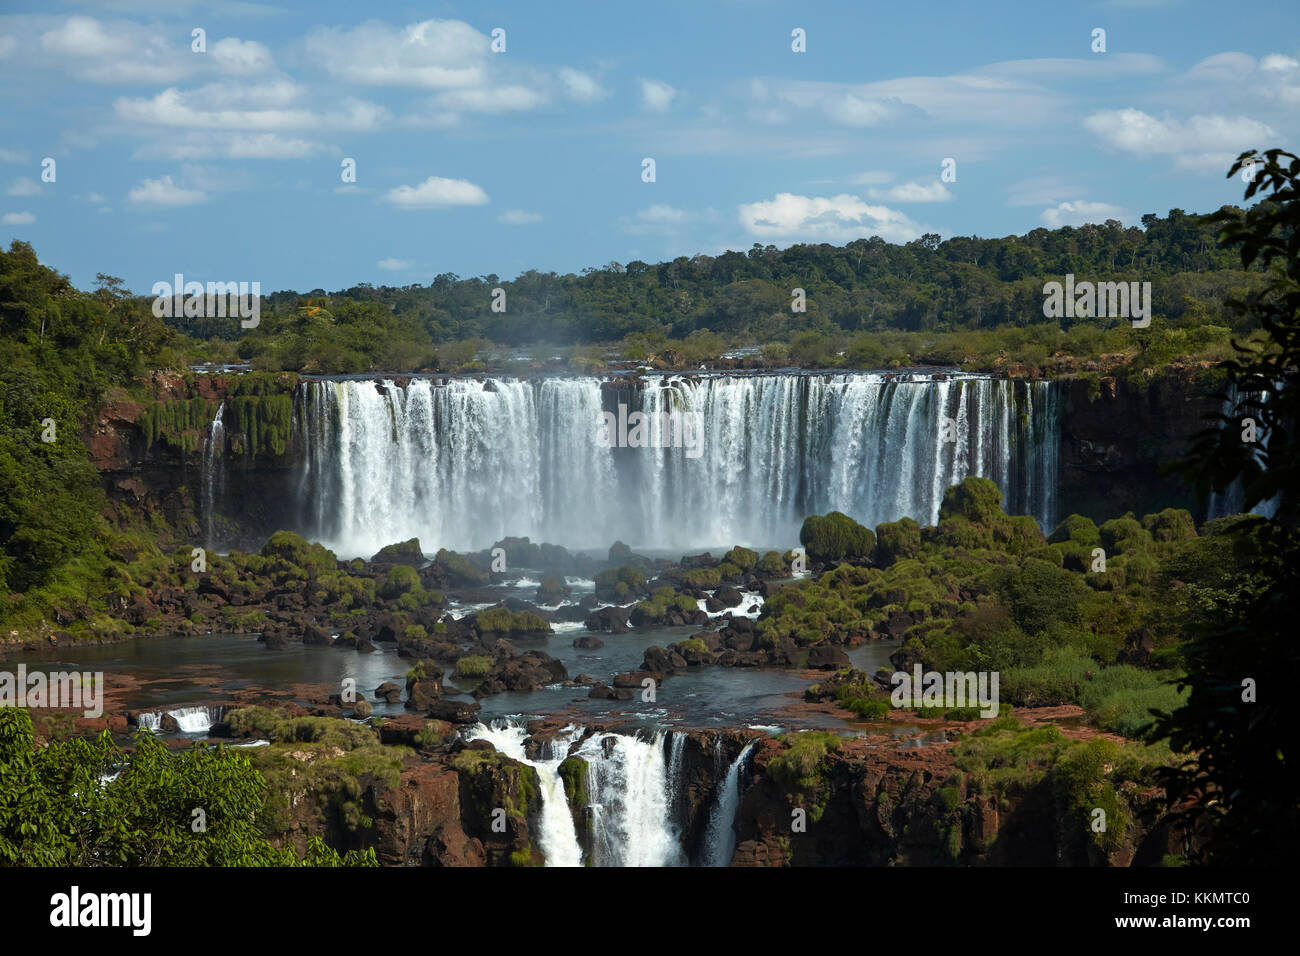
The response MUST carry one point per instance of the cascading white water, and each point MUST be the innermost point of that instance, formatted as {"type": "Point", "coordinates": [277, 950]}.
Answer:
{"type": "Point", "coordinates": [556, 838]}
{"type": "Point", "coordinates": [1232, 499]}
{"type": "Point", "coordinates": [629, 792]}
{"type": "Point", "coordinates": [213, 472]}
{"type": "Point", "coordinates": [189, 720]}
{"type": "Point", "coordinates": [720, 837]}
{"type": "Point", "coordinates": [463, 464]}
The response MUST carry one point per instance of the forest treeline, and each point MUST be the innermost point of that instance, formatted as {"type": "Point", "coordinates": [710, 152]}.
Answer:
{"type": "Point", "coordinates": [691, 309]}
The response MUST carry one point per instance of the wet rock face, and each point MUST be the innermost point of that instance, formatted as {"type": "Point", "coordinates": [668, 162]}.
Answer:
{"type": "Point", "coordinates": [1113, 444]}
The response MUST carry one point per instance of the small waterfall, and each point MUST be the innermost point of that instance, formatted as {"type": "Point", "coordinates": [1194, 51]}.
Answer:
{"type": "Point", "coordinates": [214, 472]}
{"type": "Point", "coordinates": [462, 463]}
{"type": "Point", "coordinates": [189, 720]}
{"type": "Point", "coordinates": [720, 837]}
{"type": "Point", "coordinates": [1232, 499]}
{"type": "Point", "coordinates": [629, 790]}
{"type": "Point", "coordinates": [556, 838]}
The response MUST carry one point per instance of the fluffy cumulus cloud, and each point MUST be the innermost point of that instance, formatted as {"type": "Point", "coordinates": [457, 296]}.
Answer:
{"type": "Point", "coordinates": [1080, 212]}
{"type": "Point", "coordinates": [432, 54]}
{"type": "Point", "coordinates": [1200, 142]}
{"type": "Point", "coordinates": [114, 53]}
{"type": "Point", "coordinates": [125, 52]}
{"type": "Point", "coordinates": [437, 191]}
{"type": "Point", "coordinates": [18, 219]}
{"type": "Point", "coordinates": [824, 219]}
{"type": "Point", "coordinates": [657, 96]}
{"type": "Point", "coordinates": [164, 192]}
{"type": "Point", "coordinates": [912, 192]}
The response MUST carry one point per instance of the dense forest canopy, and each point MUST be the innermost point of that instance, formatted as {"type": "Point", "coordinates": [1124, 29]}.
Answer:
{"type": "Point", "coordinates": [868, 285]}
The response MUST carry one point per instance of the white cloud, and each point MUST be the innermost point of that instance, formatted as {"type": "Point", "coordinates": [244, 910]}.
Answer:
{"type": "Point", "coordinates": [13, 156]}
{"type": "Point", "coordinates": [662, 214]}
{"type": "Point", "coordinates": [23, 186]}
{"type": "Point", "coordinates": [581, 86]}
{"type": "Point", "coordinates": [852, 110]}
{"type": "Point", "coordinates": [912, 192]}
{"type": "Point", "coordinates": [1080, 212]}
{"type": "Point", "coordinates": [95, 198]}
{"type": "Point", "coordinates": [1202, 142]}
{"type": "Point", "coordinates": [117, 53]}
{"type": "Point", "coordinates": [230, 146]}
{"type": "Point", "coordinates": [518, 217]}
{"type": "Point", "coordinates": [240, 57]}
{"type": "Point", "coordinates": [164, 192]}
{"type": "Point", "coordinates": [260, 106]}
{"type": "Point", "coordinates": [395, 265]}
{"type": "Point", "coordinates": [657, 96]}
{"type": "Point", "coordinates": [432, 54]}
{"type": "Point", "coordinates": [18, 219]}
{"type": "Point", "coordinates": [824, 219]}
{"type": "Point", "coordinates": [437, 191]}
{"type": "Point", "coordinates": [497, 99]}
{"type": "Point", "coordinates": [1279, 63]}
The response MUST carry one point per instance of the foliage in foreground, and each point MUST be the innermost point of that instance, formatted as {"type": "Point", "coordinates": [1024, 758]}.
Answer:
{"type": "Point", "coordinates": [199, 807]}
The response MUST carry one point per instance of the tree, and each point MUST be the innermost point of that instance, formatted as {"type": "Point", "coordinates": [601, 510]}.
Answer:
{"type": "Point", "coordinates": [1241, 783]}
{"type": "Point", "coordinates": [86, 803]}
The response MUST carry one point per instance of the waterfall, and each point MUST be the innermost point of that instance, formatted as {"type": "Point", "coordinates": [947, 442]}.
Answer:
{"type": "Point", "coordinates": [189, 720]}
{"type": "Point", "coordinates": [629, 789]}
{"type": "Point", "coordinates": [462, 463]}
{"type": "Point", "coordinates": [556, 838]}
{"type": "Point", "coordinates": [213, 472]}
{"type": "Point", "coordinates": [720, 837]}
{"type": "Point", "coordinates": [1232, 499]}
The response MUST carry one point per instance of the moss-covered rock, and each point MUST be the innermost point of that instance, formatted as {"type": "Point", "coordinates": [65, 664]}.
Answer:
{"type": "Point", "coordinates": [835, 537]}
{"type": "Point", "coordinates": [896, 540]}
{"type": "Point", "coordinates": [405, 552]}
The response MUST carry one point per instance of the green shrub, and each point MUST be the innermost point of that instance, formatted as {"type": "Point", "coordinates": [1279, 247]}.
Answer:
{"type": "Point", "coordinates": [834, 537]}
{"type": "Point", "coordinates": [400, 579]}
{"type": "Point", "coordinates": [473, 665]}
{"type": "Point", "coordinates": [896, 540]}
{"type": "Point", "coordinates": [703, 578]}
{"type": "Point", "coordinates": [1078, 530]}
{"type": "Point", "coordinates": [742, 558]}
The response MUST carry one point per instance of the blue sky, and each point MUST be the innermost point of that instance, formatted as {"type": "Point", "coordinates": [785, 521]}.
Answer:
{"type": "Point", "coordinates": [225, 165]}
